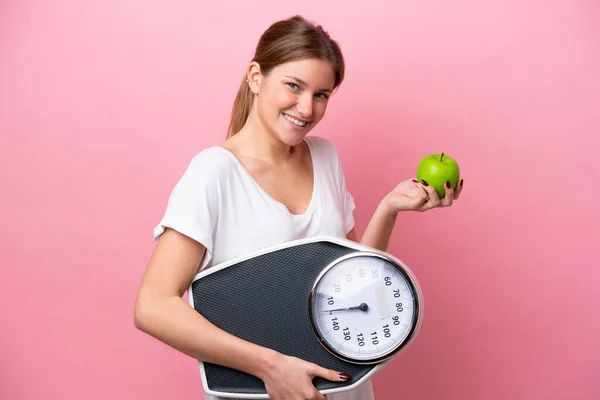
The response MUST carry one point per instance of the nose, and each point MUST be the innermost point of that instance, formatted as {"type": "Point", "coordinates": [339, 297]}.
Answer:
{"type": "Point", "coordinates": [305, 105]}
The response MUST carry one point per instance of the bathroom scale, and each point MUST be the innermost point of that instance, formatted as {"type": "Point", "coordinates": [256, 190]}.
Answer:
{"type": "Point", "coordinates": [327, 300]}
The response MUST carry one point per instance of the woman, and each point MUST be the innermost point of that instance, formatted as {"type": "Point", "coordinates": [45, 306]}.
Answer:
{"type": "Point", "coordinates": [267, 183]}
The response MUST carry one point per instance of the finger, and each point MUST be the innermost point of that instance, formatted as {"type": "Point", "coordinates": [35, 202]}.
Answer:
{"type": "Point", "coordinates": [423, 197]}
{"type": "Point", "coordinates": [317, 396]}
{"type": "Point", "coordinates": [434, 199]}
{"type": "Point", "coordinates": [449, 196]}
{"type": "Point", "coordinates": [458, 189]}
{"type": "Point", "coordinates": [329, 374]}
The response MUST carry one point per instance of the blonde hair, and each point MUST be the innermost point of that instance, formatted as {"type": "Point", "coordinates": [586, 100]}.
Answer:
{"type": "Point", "coordinates": [287, 40]}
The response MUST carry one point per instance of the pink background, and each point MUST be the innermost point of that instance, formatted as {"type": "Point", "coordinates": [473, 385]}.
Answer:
{"type": "Point", "coordinates": [102, 105]}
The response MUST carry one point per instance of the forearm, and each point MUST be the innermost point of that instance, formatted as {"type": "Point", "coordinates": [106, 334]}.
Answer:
{"type": "Point", "coordinates": [172, 321]}
{"type": "Point", "coordinates": [380, 227]}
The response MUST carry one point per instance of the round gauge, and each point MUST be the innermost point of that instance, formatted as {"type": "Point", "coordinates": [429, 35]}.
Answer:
{"type": "Point", "coordinates": [365, 307]}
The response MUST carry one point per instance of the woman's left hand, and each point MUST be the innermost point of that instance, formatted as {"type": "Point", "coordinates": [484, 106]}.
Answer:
{"type": "Point", "coordinates": [412, 195]}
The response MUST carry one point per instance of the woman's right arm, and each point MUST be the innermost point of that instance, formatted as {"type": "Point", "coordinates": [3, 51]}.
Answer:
{"type": "Point", "coordinates": [161, 312]}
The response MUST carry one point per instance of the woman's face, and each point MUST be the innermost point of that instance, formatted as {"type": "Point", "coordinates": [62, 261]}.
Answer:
{"type": "Point", "coordinates": [293, 97]}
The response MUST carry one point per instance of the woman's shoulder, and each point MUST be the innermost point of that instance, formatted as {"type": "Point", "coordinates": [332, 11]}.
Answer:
{"type": "Point", "coordinates": [328, 156]}
{"type": "Point", "coordinates": [213, 156]}
{"type": "Point", "coordinates": [210, 164]}
{"type": "Point", "coordinates": [324, 147]}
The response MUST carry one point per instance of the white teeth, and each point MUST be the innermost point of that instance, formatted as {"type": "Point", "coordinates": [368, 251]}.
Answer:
{"type": "Point", "coordinates": [294, 120]}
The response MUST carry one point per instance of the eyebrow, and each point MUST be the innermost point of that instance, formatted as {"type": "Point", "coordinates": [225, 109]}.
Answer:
{"type": "Point", "coordinates": [305, 84]}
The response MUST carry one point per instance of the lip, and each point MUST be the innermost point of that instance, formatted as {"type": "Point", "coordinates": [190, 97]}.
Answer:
{"type": "Point", "coordinates": [298, 118]}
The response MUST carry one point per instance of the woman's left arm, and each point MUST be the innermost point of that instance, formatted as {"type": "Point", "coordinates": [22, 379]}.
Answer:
{"type": "Point", "coordinates": [409, 195]}
{"type": "Point", "coordinates": [379, 230]}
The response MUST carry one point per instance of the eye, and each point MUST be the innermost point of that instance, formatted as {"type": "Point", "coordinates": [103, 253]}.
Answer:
{"type": "Point", "coordinates": [322, 96]}
{"type": "Point", "coordinates": [293, 86]}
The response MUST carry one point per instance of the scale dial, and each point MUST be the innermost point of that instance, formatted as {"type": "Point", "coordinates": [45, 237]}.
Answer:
{"type": "Point", "coordinates": [364, 307]}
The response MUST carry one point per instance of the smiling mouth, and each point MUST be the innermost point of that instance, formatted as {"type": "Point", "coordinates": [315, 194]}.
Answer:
{"type": "Point", "coordinates": [295, 121]}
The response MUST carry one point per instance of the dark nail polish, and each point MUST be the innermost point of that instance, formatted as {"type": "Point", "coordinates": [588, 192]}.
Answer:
{"type": "Point", "coordinates": [424, 183]}
{"type": "Point", "coordinates": [344, 376]}
{"type": "Point", "coordinates": [448, 184]}
{"type": "Point", "coordinates": [415, 181]}
{"type": "Point", "coordinates": [461, 182]}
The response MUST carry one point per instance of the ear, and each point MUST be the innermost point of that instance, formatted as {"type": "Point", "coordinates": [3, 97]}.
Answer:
{"type": "Point", "coordinates": [254, 77]}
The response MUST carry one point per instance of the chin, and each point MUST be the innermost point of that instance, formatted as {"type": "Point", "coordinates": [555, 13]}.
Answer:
{"type": "Point", "coordinates": [291, 135]}
{"type": "Point", "coordinates": [291, 139]}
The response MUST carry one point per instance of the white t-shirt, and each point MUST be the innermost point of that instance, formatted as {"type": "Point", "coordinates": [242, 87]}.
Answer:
{"type": "Point", "coordinates": [219, 204]}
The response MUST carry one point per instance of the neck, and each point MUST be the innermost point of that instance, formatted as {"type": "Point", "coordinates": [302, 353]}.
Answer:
{"type": "Point", "coordinates": [257, 142]}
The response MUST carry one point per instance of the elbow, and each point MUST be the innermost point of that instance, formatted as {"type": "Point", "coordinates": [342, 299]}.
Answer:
{"type": "Point", "coordinates": [140, 315]}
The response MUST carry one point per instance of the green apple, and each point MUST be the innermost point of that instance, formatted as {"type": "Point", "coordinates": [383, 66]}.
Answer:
{"type": "Point", "coordinates": [436, 169]}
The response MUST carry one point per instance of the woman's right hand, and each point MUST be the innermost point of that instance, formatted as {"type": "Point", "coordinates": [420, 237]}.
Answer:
{"type": "Point", "coordinates": [290, 378]}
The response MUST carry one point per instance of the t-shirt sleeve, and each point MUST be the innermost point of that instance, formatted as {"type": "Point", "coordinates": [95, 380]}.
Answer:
{"type": "Point", "coordinates": [347, 200]}
{"type": "Point", "coordinates": [193, 205]}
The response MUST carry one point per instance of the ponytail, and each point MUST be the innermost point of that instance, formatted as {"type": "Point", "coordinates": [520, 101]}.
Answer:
{"type": "Point", "coordinates": [241, 109]}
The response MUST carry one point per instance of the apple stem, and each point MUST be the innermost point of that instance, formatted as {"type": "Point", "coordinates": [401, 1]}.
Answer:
{"type": "Point", "coordinates": [442, 156]}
